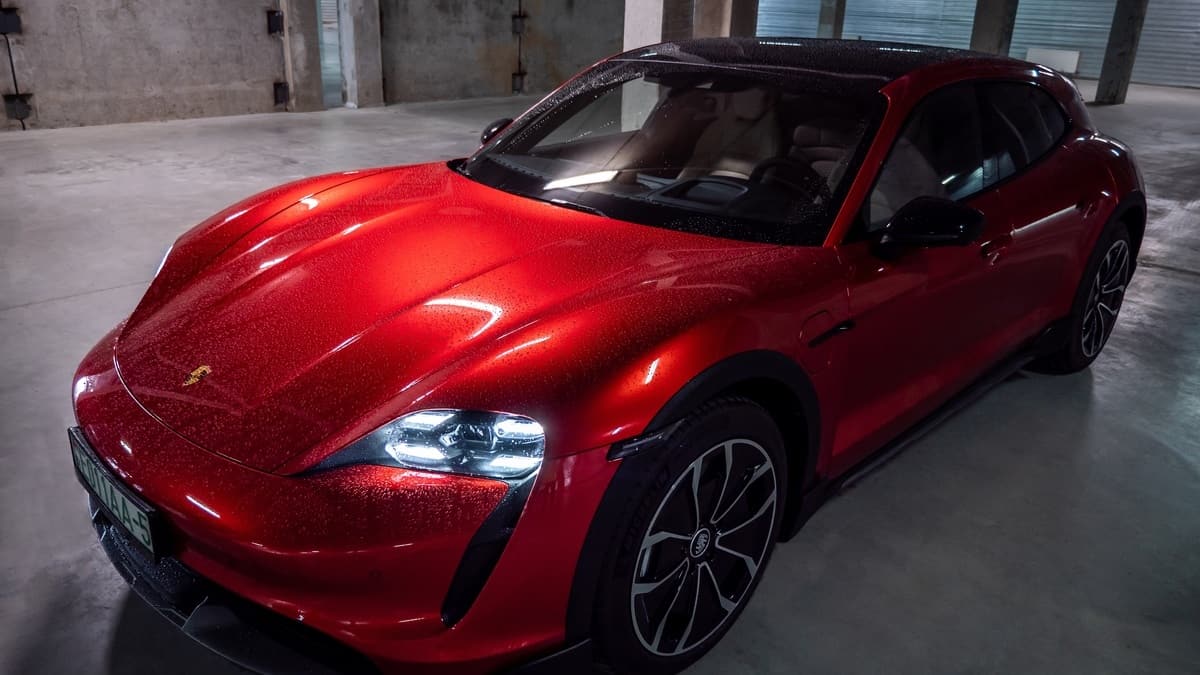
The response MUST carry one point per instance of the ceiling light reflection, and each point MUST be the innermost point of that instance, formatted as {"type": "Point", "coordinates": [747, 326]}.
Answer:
{"type": "Point", "coordinates": [203, 507]}
{"type": "Point", "coordinates": [650, 372]}
{"type": "Point", "coordinates": [521, 346]}
{"type": "Point", "coordinates": [494, 311]}
{"type": "Point", "coordinates": [581, 179]}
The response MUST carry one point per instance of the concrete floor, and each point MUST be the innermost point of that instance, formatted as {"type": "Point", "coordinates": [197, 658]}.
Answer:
{"type": "Point", "coordinates": [1052, 527]}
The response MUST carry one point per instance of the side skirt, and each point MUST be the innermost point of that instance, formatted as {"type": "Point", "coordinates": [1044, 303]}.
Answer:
{"type": "Point", "coordinates": [825, 489]}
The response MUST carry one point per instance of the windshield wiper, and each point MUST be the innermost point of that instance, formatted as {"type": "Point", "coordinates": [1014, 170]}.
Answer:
{"type": "Point", "coordinates": [578, 207]}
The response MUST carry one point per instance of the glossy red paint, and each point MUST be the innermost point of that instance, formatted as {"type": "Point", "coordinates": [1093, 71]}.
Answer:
{"type": "Point", "coordinates": [908, 356]}
{"type": "Point", "coordinates": [331, 306]}
{"type": "Point", "coordinates": [363, 553]}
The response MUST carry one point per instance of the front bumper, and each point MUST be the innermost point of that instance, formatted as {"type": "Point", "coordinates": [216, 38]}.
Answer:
{"type": "Point", "coordinates": [363, 555]}
{"type": "Point", "coordinates": [250, 636]}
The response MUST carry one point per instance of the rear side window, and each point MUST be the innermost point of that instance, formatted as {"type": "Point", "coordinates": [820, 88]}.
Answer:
{"type": "Point", "coordinates": [1022, 122]}
{"type": "Point", "coordinates": [939, 154]}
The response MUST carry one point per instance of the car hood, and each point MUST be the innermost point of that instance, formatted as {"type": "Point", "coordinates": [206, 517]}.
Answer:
{"type": "Point", "coordinates": [344, 300]}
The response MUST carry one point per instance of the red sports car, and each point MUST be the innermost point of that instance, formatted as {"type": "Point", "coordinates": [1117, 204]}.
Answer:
{"type": "Point", "coordinates": [551, 406]}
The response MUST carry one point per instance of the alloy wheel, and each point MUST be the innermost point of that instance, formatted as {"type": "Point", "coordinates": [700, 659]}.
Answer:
{"type": "Point", "coordinates": [1105, 297]}
{"type": "Point", "coordinates": [704, 548]}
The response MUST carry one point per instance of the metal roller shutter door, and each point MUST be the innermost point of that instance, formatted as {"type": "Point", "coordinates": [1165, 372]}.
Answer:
{"type": "Point", "coordinates": [329, 11]}
{"type": "Point", "coordinates": [935, 22]}
{"type": "Point", "coordinates": [788, 18]}
{"type": "Point", "coordinates": [1077, 25]}
{"type": "Point", "coordinates": [946, 23]}
{"type": "Point", "coordinates": [1169, 51]}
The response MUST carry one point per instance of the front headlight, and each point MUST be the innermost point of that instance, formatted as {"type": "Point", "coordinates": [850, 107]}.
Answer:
{"type": "Point", "coordinates": [495, 445]}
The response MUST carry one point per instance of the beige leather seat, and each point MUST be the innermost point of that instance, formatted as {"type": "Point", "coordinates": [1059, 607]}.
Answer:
{"type": "Point", "coordinates": [744, 134]}
{"type": "Point", "coordinates": [825, 145]}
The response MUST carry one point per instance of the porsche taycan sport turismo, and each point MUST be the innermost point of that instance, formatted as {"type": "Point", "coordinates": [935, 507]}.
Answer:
{"type": "Point", "coordinates": [552, 406]}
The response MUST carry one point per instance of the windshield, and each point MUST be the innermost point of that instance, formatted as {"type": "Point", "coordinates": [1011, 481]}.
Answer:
{"type": "Point", "coordinates": [729, 153]}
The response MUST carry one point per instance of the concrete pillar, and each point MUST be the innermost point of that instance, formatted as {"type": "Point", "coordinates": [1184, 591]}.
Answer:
{"type": "Point", "coordinates": [993, 27]}
{"type": "Point", "coordinates": [710, 18]}
{"type": "Point", "coordinates": [651, 21]}
{"type": "Point", "coordinates": [302, 55]}
{"type": "Point", "coordinates": [361, 52]}
{"type": "Point", "coordinates": [831, 18]}
{"type": "Point", "coordinates": [643, 23]}
{"type": "Point", "coordinates": [1123, 38]}
{"type": "Point", "coordinates": [743, 18]}
{"type": "Point", "coordinates": [678, 19]}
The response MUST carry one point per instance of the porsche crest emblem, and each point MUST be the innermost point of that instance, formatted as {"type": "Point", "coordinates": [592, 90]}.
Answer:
{"type": "Point", "coordinates": [197, 375]}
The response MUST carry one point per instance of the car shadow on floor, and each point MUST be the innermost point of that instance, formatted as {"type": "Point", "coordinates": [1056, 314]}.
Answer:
{"type": "Point", "coordinates": [144, 642]}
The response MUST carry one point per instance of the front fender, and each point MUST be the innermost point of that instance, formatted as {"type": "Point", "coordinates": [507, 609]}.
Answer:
{"type": "Point", "coordinates": [200, 245]}
{"type": "Point", "coordinates": [598, 369]}
{"type": "Point", "coordinates": [609, 371]}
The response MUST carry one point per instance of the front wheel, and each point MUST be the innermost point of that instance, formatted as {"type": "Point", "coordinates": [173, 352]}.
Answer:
{"type": "Point", "coordinates": [697, 542]}
{"type": "Point", "coordinates": [1097, 302]}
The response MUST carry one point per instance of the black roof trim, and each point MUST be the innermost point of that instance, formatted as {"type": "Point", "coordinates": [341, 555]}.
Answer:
{"type": "Point", "coordinates": [885, 61]}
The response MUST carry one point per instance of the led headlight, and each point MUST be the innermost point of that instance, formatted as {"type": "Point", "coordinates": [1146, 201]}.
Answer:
{"type": "Point", "coordinates": [496, 445]}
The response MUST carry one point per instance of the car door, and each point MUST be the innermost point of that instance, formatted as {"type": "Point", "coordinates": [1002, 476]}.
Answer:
{"type": "Point", "coordinates": [1050, 190]}
{"type": "Point", "coordinates": [925, 320]}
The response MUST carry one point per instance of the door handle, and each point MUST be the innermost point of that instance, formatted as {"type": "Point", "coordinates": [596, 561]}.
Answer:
{"type": "Point", "coordinates": [992, 250]}
{"type": "Point", "coordinates": [842, 327]}
{"type": "Point", "coordinates": [1088, 205]}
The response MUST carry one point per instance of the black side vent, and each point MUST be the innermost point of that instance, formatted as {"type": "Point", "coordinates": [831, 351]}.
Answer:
{"type": "Point", "coordinates": [281, 93]}
{"type": "Point", "coordinates": [483, 552]}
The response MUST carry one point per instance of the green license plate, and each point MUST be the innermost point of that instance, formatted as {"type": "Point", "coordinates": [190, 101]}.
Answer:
{"type": "Point", "coordinates": [125, 510]}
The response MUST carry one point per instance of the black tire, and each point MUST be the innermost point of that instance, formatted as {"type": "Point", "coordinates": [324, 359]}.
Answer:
{"type": "Point", "coordinates": [1094, 312]}
{"type": "Point", "coordinates": [644, 628]}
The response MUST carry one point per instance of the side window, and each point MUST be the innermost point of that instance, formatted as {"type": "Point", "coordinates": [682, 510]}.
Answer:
{"type": "Point", "coordinates": [1021, 123]}
{"type": "Point", "coordinates": [938, 154]}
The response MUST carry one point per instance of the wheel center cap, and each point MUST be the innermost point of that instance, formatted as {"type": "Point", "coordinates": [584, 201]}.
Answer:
{"type": "Point", "coordinates": [700, 542]}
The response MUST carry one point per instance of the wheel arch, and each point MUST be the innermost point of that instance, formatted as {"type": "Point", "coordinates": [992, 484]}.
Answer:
{"type": "Point", "coordinates": [772, 380]}
{"type": "Point", "coordinates": [769, 378]}
{"type": "Point", "coordinates": [1132, 212]}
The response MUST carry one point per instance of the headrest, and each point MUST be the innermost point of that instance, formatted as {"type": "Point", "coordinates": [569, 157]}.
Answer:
{"type": "Point", "coordinates": [823, 132]}
{"type": "Point", "coordinates": [750, 104]}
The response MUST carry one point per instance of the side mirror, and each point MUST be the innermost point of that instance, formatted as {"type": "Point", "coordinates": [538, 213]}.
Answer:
{"type": "Point", "coordinates": [933, 221]}
{"type": "Point", "coordinates": [490, 131]}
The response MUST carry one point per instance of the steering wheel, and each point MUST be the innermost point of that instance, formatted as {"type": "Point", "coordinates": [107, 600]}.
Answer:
{"type": "Point", "coordinates": [797, 174]}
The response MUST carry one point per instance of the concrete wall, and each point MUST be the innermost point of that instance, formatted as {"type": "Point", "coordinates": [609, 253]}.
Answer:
{"type": "Point", "coordinates": [104, 61]}
{"type": "Point", "coordinates": [465, 48]}
{"type": "Point", "coordinates": [302, 58]}
{"type": "Point", "coordinates": [446, 48]}
{"type": "Point", "coordinates": [566, 36]}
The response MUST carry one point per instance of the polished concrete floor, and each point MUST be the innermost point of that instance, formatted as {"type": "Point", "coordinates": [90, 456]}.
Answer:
{"type": "Point", "coordinates": [1052, 527]}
